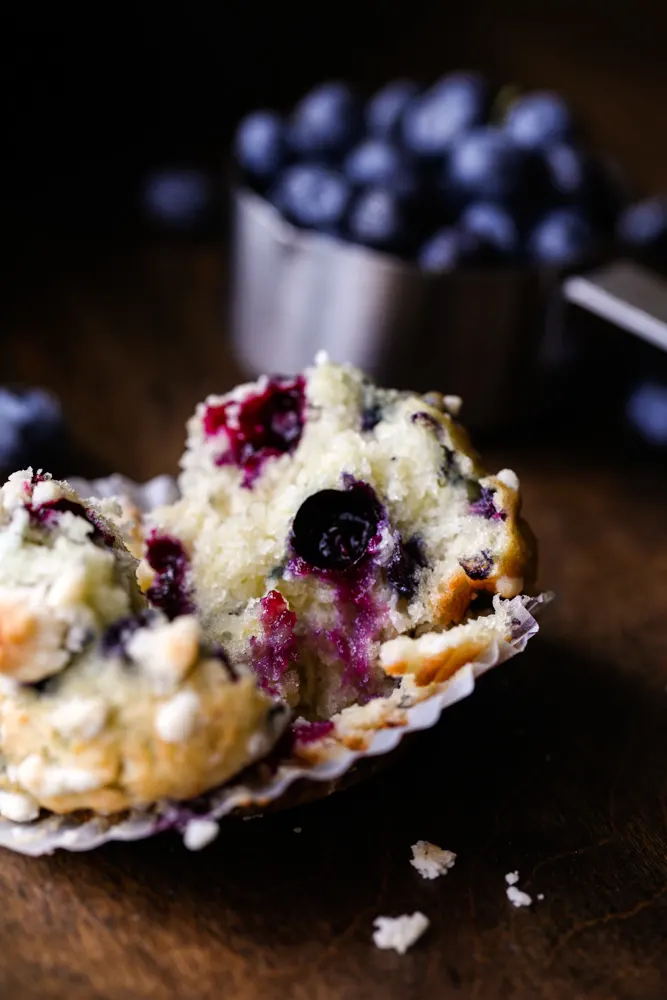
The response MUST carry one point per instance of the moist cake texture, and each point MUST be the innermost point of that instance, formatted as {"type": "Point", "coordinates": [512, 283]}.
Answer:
{"type": "Point", "coordinates": [323, 518]}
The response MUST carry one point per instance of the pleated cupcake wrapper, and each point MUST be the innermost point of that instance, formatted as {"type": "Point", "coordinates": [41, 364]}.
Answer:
{"type": "Point", "coordinates": [267, 785]}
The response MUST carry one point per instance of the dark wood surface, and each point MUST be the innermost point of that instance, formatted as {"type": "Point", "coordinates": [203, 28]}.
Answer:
{"type": "Point", "coordinates": [556, 767]}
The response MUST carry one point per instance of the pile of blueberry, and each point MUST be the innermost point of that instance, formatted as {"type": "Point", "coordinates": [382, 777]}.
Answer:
{"type": "Point", "coordinates": [449, 176]}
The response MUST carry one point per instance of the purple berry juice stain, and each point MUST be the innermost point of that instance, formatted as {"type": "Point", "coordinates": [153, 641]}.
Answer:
{"type": "Point", "coordinates": [276, 649]}
{"type": "Point", "coordinates": [485, 506]}
{"type": "Point", "coordinates": [169, 591]}
{"type": "Point", "coordinates": [262, 426]}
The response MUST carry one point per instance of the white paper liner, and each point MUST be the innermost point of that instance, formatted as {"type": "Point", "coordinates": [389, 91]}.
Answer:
{"type": "Point", "coordinates": [255, 789]}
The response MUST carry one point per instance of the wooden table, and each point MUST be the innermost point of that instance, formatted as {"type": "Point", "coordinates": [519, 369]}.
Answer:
{"type": "Point", "coordinates": [557, 767]}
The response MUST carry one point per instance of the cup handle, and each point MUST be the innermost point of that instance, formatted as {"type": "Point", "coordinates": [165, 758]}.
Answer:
{"type": "Point", "coordinates": [626, 294]}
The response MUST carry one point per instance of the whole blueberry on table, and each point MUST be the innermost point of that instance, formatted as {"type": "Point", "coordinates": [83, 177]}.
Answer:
{"type": "Point", "coordinates": [326, 122]}
{"type": "Point", "coordinates": [312, 196]}
{"type": "Point", "coordinates": [539, 118]}
{"type": "Point", "coordinates": [643, 226]}
{"type": "Point", "coordinates": [385, 109]}
{"type": "Point", "coordinates": [646, 411]}
{"type": "Point", "coordinates": [562, 237]}
{"type": "Point", "coordinates": [432, 121]}
{"type": "Point", "coordinates": [494, 225]}
{"type": "Point", "coordinates": [452, 248]}
{"type": "Point", "coordinates": [31, 426]}
{"type": "Point", "coordinates": [259, 145]}
{"type": "Point", "coordinates": [484, 163]}
{"type": "Point", "coordinates": [378, 162]}
{"type": "Point", "coordinates": [379, 218]}
{"type": "Point", "coordinates": [181, 199]}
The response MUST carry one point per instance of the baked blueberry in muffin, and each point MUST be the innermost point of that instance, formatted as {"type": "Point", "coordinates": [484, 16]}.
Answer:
{"type": "Point", "coordinates": [106, 702]}
{"type": "Point", "coordinates": [333, 535]}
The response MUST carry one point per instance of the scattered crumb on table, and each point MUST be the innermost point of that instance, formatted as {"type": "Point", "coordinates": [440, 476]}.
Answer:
{"type": "Point", "coordinates": [517, 897]}
{"type": "Point", "coordinates": [512, 878]}
{"type": "Point", "coordinates": [431, 860]}
{"type": "Point", "coordinates": [298, 829]}
{"type": "Point", "coordinates": [399, 933]}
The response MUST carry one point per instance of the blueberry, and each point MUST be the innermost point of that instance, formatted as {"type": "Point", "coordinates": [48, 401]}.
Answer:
{"type": "Point", "coordinates": [169, 590]}
{"type": "Point", "coordinates": [468, 87]}
{"type": "Point", "coordinates": [494, 225]}
{"type": "Point", "coordinates": [44, 514]}
{"type": "Point", "coordinates": [643, 226]}
{"type": "Point", "coordinates": [569, 170]}
{"type": "Point", "coordinates": [646, 410]}
{"type": "Point", "coordinates": [11, 446]}
{"type": "Point", "coordinates": [378, 218]}
{"type": "Point", "coordinates": [371, 416]}
{"type": "Point", "coordinates": [385, 109]}
{"type": "Point", "coordinates": [31, 425]}
{"type": "Point", "coordinates": [563, 237]}
{"type": "Point", "coordinates": [259, 145]}
{"type": "Point", "coordinates": [116, 636]}
{"type": "Point", "coordinates": [433, 120]}
{"type": "Point", "coordinates": [377, 162]}
{"type": "Point", "coordinates": [484, 504]}
{"type": "Point", "coordinates": [449, 249]}
{"type": "Point", "coordinates": [326, 122]}
{"type": "Point", "coordinates": [539, 118]}
{"type": "Point", "coordinates": [333, 528]}
{"type": "Point", "coordinates": [485, 163]}
{"type": "Point", "coordinates": [312, 196]}
{"type": "Point", "coordinates": [181, 199]}
{"type": "Point", "coordinates": [404, 566]}
{"type": "Point", "coordinates": [573, 175]}
{"type": "Point", "coordinates": [478, 567]}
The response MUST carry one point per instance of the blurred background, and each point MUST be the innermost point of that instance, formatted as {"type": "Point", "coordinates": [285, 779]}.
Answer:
{"type": "Point", "coordinates": [95, 109]}
{"type": "Point", "coordinates": [90, 104]}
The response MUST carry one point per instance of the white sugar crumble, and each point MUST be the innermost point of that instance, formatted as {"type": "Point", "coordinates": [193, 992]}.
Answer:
{"type": "Point", "coordinates": [512, 878]}
{"type": "Point", "coordinates": [399, 933]}
{"type": "Point", "coordinates": [17, 807]}
{"type": "Point", "coordinates": [199, 833]}
{"type": "Point", "coordinates": [540, 896]}
{"type": "Point", "coordinates": [176, 719]}
{"type": "Point", "coordinates": [80, 717]}
{"type": "Point", "coordinates": [431, 860]}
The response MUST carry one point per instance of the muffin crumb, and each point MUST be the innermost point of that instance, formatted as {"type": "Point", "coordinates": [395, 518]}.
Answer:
{"type": "Point", "coordinates": [399, 933]}
{"type": "Point", "coordinates": [200, 833]}
{"type": "Point", "coordinates": [430, 860]}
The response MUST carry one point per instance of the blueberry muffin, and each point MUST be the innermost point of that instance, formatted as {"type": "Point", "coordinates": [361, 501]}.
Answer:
{"type": "Point", "coordinates": [323, 520]}
{"type": "Point", "coordinates": [105, 703]}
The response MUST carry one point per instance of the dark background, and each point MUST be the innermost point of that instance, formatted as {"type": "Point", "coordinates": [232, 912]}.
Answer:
{"type": "Point", "coordinates": [92, 100]}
